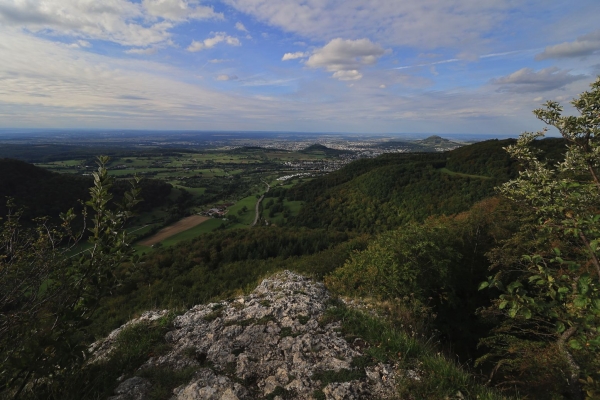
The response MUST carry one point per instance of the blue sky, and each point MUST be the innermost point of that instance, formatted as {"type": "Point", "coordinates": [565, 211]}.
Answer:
{"type": "Point", "coordinates": [363, 66]}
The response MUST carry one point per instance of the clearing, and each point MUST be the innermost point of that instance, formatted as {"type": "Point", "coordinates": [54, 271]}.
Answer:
{"type": "Point", "coordinates": [179, 226]}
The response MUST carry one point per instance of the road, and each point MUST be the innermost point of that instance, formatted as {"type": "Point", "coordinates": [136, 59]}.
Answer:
{"type": "Point", "coordinates": [256, 208]}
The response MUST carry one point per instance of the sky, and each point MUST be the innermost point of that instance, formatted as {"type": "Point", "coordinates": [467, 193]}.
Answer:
{"type": "Point", "coordinates": [356, 66]}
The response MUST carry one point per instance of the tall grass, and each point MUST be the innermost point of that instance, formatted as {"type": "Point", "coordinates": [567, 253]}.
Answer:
{"type": "Point", "coordinates": [424, 372]}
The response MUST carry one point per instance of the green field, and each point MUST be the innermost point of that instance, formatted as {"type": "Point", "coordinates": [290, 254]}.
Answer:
{"type": "Point", "coordinates": [246, 218]}
{"type": "Point", "coordinates": [205, 227]}
{"type": "Point", "coordinates": [452, 173]}
{"type": "Point", "coordinates": [200, 181]}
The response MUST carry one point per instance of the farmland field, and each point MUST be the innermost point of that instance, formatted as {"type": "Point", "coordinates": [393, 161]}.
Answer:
{"type": "Point", "coordinates": [229, 181]}
{"type": "Point", "coordinates": [180, 226]}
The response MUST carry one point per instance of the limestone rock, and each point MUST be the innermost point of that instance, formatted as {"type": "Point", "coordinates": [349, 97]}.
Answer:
{"type": "Point", "coordinates": [269, 343]}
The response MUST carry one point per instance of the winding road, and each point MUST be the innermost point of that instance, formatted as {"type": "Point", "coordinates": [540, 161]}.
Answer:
{"type": "Point", "coordinates": [256, 211]}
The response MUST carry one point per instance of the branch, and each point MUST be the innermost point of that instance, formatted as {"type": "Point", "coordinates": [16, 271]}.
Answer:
{"type": "Point", "coordinates": [592, 252]}
{"type": "Point", "coordinates": [574, 375]}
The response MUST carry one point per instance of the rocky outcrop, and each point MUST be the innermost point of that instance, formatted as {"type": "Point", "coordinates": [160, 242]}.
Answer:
{"type": "Point", "coordinates": [270, 344]}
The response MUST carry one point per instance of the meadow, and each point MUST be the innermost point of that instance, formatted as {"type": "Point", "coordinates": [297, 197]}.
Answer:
{"type": "Point", "coordinates": [231, 181]}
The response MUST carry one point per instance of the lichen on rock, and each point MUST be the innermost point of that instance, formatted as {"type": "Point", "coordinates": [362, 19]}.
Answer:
{"type": "Point", "coordinates": [269, 344]}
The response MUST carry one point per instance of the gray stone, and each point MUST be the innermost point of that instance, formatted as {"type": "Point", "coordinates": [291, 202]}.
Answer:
{"type": "Point", "coordinates": [269, 340]}
{"type": "Point", "coordinates": [135, 388]}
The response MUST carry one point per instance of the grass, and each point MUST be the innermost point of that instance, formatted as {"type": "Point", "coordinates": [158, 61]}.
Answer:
{"type": "Point", "coordinates": [439, 377]}
{"type": "Point", "coordinates": [248, 217]}
{"type": "Point", "coordinates": [205, 227]}
{"type": "Point", "coordinates": [132, 348]}
{"type": "Point", "coordinates": [194, 191]}
{"type": "Point", "coordinates": [278, 219]}
{"type": "Point", "coordinates": [452, 173]}
{"type": "Point", "coordinates": [164, 380]}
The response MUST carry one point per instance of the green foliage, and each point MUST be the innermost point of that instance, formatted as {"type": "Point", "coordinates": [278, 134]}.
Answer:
{"type": "Point", "coordinates": [410, 261]}
{"type": "Point", "coordinates": [427, 273]}
{"type": "Point", "coordinates": [384, 193]}
{"type": "Point", "coordinates": [41, 193]}
{"type": "Point", "coordinates": [48, 298]}
{"type": "Point", "coordinates": [551, 295]}
{"type": "Point", "coordinates": [439, 378]}
{"type": "Point", "coordinates": [131, 349]}
{"type": "Point", "coordinates": [220, 265]}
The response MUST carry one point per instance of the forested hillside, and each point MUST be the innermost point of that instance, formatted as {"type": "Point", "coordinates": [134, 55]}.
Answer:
{"type": "Point", "coordinates": [43, 193]}
{"type": "Point", "coordinates": [375, 195]}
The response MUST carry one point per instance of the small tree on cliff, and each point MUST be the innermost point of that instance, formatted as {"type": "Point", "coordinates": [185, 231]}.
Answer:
{"type": "Point", "coordinates": [552, 295]}
{"type": "Point", "coordinates": [48, 296]}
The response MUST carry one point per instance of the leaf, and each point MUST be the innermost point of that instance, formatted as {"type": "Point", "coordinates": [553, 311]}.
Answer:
{"type": "Point", "coordinates": [526, 313]}
{"type": "Point", "coordinates": [580, 301]}
{"type": "Point", "coordinates": [513, 285]}
{"type": "Point", "coordinates": [503, 304]}
{"type": "Point", "coordinates": [560, 327]}
{"type": "Point", "coordinates": [574, 344]}
{"type": "Point", "coordinates": [483, 285]}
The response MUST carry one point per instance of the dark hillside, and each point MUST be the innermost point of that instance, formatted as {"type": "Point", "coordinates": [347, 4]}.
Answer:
{"type": "Point", "coordinates": [320, 149]}
{"type": "Point", "coordinates": [45, 193]}
{"type": "Point", "coordinates": [39, 191]}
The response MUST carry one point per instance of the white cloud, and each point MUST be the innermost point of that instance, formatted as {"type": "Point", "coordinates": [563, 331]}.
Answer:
{"type": "Point", "coordinates": [80, 43]}
{"type": "Point", "coordinates": [293, 56]}
{"type": "Point", "coordinates": [583, 46]}
{"type": "Point", "coordinates": [224, 77]}
{"type": "Point", "coordinates": [213, 41]}
{"type": "Point", "coordinates": [382, 86]}
{"type": "Point", "coordinates": [240, 27]}
{"type": "Point", "coordinates": [526, 80]}
{"type": "Point", "coordinates": [351, 75]}
{"type": "Point", "coordinates": [179, 10]}
{"type": "Point", "coordinates": [142, 51]}
{"type": "Point", "coordinates": [345, 57]}
{"type": "Point", "coordinates": [218, 60]}
{"type": "Point", "coordinates": [120, 21]}
{"type": "Point", "coordinates": [428, 24]}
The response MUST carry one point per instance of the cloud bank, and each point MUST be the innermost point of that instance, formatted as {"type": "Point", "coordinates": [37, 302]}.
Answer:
{"type": "Point", "coordinates": [119, 21]}
{"type": "Point", "coordinates": [582, 46]}
{"type": "Point", "coordinates": [526, 80]}
{"type": "Point", "coordinates": [345, 57]}
{"type": "Point", "coordinates": [211, 42]}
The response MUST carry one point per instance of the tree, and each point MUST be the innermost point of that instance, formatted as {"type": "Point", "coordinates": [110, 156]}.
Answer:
{"type": "Point", "coordinates": [551, 296]}
{"type": "Point", "coordinates": [47, 295]}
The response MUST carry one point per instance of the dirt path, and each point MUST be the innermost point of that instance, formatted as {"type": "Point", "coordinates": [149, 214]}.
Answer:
{"type": "Point", "coordinates": [179, 226]}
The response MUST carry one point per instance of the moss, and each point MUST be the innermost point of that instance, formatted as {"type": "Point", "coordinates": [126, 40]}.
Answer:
{"type": "Point", "coordinates": [165, 379]}
{"type": "Point", "coordinates": [342, 375]}
{"type": "Point", "coordinates": [288, 332]}
{"type": "Point", "coordinates": [281, 392]}
{"type": "Point", "coordinates": [211, 316]}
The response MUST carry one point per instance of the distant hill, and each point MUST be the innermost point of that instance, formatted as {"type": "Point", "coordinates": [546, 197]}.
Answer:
{"type": "Point", "coordinates": [321, 149]}
{"type": "Point", "coordinates": [431, 144]}
{"type": "Point", "coordinates": [439, 143]}
{"type": "Point", "coordinates": [254, 149]}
